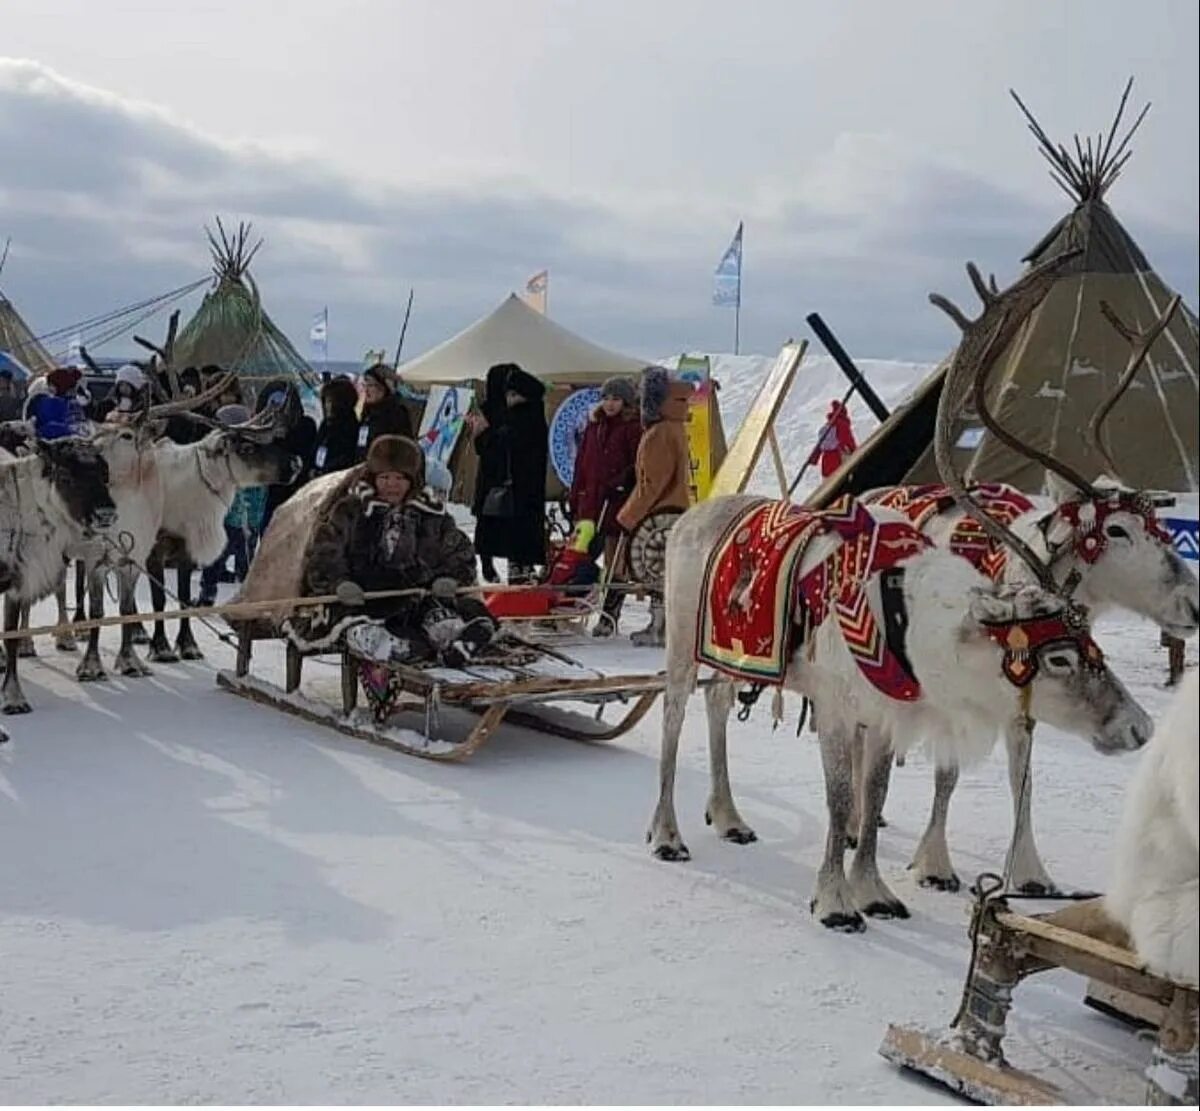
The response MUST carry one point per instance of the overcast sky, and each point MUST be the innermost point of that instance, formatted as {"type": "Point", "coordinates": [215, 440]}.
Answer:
{"type": "Point", "coordinates": [458, 147]}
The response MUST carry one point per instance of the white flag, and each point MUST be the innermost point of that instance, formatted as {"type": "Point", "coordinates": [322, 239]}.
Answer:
{"type": "Point", "coordinates": [537, 291]}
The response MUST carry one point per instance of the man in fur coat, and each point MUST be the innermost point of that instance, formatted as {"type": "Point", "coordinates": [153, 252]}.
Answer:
{"type": "Point", "coordinates": [389, 532]}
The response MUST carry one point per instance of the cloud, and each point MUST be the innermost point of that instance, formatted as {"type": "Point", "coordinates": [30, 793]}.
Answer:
{"type": "Point", "coordinates": [106, 199]}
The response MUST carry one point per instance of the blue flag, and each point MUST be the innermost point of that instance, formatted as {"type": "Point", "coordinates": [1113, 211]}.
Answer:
{"type": "Point", "coordinates": [727, 282]}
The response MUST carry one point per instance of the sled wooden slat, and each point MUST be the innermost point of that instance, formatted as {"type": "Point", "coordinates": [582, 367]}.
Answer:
{"type": "Point", "coordinates": [981, 1081]}
{"type": "Point", "coordinates": [969, 1058]}
{"type": "Point", "coordinates": [1124, 1006]}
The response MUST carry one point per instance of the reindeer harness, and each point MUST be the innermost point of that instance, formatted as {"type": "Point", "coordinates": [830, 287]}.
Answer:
{"type": "Point", "coordinates": [758, 609]}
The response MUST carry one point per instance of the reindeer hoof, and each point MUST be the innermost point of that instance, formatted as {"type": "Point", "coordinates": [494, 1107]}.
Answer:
{"type": "Point", "coordinates": [677, 853]}
{"type": "Point", "coordinates": [133, 668]}
{"type": "Point", "coordinates": [26, 650]}
{"type": "Point", "coordinates": [17, 707]}
{"type": "Point", "coordinates": [189, 652]}
{"type": "Point", "coordinates": [139, 635]}
{"type": "Point", "coordinates": [845, 923]}
{"type": "Point", "coordinates": [940, 883]}
{"type": "Point", "coordinates": [740, 835]}
{"type": "Point", "coordinates": [66, 644]}
{"type": "Point", "coordinates": [91, 671]}
{"type": "Point", "coordinates": [162, 654]}
{"type": "Point", "coordinates": [886, 908]}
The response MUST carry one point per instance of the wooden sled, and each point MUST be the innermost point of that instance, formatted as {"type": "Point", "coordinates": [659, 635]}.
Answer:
{"type": "Point", "coordinates": [520, 697]}
{"type": "Point", "coordinates": [968, 1057]}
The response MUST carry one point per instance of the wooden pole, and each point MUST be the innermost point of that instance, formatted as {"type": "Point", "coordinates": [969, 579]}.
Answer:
{"type": "Point", "coordinates": [276, 605]}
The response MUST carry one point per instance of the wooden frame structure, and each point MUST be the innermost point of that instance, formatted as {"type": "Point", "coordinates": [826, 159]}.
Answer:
{"type": "Point", "coordinates": [969, 1058]}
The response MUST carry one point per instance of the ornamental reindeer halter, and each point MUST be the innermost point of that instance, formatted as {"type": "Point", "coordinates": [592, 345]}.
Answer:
{"type": "Point", "coordinates": [1087, 517]}
{"type": "Point", "coordinates": [1027, 642]}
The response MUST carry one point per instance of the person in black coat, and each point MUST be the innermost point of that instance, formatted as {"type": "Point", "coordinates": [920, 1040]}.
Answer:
{"type": "Point", "coordinates": [337, 438]}
{"type": "Point", "coordinates": [383, 413]}
{"type": "Point", "coordinates": [300, 440]}
{"type": "Point", "coordinates": [529, 449]}
{"type": "Point", "coordinates": [487, 428]}
{"type": "Point", "coordinates": [521, 444]}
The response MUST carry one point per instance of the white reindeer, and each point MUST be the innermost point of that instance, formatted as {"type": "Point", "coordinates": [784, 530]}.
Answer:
{"type": "Point", "coordinates": [180, 490]}
{"type": "Point", "coordinates": [1104, 544]}
{"type": "Point", "coordinates": [48, 499]}
{"type": "Point", "coordinates": [1154, 889]}
{"type": "Point", "coordinates": [982, 653]}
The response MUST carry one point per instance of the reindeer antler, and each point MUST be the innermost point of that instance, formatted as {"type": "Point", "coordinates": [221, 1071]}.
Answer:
{"type": "Point", "coordinates": [983, 340]}
{"type": "Point", "coordinates": [1140, 342]}
{"type": "Point", "coordinates": [990, 298]}
{"type": "Point", "coordinates": [186, 404]}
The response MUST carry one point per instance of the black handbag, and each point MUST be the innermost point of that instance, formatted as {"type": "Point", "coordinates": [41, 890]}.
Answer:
{"type": "Point", "coordinates": [498, 502]}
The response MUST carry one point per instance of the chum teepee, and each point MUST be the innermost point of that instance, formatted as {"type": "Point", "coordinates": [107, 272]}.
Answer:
{"type": "Point", "coordinates": [1066, 358]}
{"type": "Point", "coordinates": [232, 330]}
{"type": "Point", "coordinates": [18, 340]}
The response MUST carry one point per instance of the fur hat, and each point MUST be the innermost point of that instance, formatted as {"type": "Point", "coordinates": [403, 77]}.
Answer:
{"type": "Point", "coordinates": [620, 388]}
{"type": "Point", "coordinates": [397, 455]}
{"type": "Point", "coordinates": [131, 375]}
{"type": "Point", "coordinates": [63, 379]}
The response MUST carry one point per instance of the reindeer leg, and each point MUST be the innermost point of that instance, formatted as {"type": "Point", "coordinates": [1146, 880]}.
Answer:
{"type": "Point", "coordinates": [12, 698]}
{"type": "Point", "coordinates": [871, 895]}
{"type": "Point", "coordinates": [137, 630]}
{"type": "Point", "coordinates": [832, 902]}
{"type": "Point", "coordinates": [664, 839]}
{"type": "Point", "coordinates": [91, 667]}
{"type": "Point", "coordinates": [161, 651]}
{"type": "Point", "coordinates": [64, 642]}
{"type": "Point", "coordinates": [1029, 874]}
{"type": "Point", "coordinates": [186, 644]}
{"type": "Point", "coordinates": [721, 810]}
{"type": "Point", "coordinates": [128, 662]}
{"type": "Point", "coordinates": [932, 861]}
{"type": "Point", "coordinates": [25, 646]}
{"type": "Point", "coordinates": [854, 821]}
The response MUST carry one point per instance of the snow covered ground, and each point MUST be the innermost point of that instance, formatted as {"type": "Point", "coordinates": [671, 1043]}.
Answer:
{"type": "Point", "coordinates": [202, 900]}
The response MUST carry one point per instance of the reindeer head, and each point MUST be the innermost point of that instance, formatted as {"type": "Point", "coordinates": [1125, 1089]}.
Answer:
{"type": "Point", "coordinates": [79, 476]}
{"type": "Point", "coordinates": [248, 456]}
{"type": "Point", "coordinates": [1036, 636]}
{"type": "Point", "coordinates": [1043, 647]}
{"type": "Point", "coordinates": [1112, 544]}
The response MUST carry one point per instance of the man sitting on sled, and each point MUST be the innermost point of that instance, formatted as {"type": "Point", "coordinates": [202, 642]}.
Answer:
{"type": "Point", "coordinates": [391, 532]}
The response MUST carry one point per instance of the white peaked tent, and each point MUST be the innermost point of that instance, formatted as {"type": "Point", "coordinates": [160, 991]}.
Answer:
{"type": "Point", "coordinates": [515, 333]}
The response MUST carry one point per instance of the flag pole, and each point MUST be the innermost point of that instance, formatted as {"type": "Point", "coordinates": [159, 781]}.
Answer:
{"type": "Point", "coordinates": [737, 308]}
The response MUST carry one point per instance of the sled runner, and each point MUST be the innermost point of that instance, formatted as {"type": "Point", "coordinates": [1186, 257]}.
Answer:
{"type": "Point", "coordinates": [513, 682]}
{"type": "Point", "coordinates": [969, 1058]}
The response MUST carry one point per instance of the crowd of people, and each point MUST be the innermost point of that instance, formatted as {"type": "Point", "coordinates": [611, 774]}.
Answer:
{"type": "Point", "coordinates": [393, 526]}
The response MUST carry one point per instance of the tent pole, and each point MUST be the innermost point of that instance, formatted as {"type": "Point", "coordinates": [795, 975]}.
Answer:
{"type": "Point", "coordinates": [403, 330]}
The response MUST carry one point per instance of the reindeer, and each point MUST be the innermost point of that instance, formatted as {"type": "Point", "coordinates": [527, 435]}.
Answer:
{"type": "Point", "coordinates": [1104, 546]}
{"type": "Point", "coordinates": [173, 490]}
{"type": "Point", "coordinates": [48, 499]}
{"type": "Point", "coordinates": [1154, 880]}
{"type": "Point", "coordinates": [980, 652]}
{"type": "Point", "coordinates": [199, 481]}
